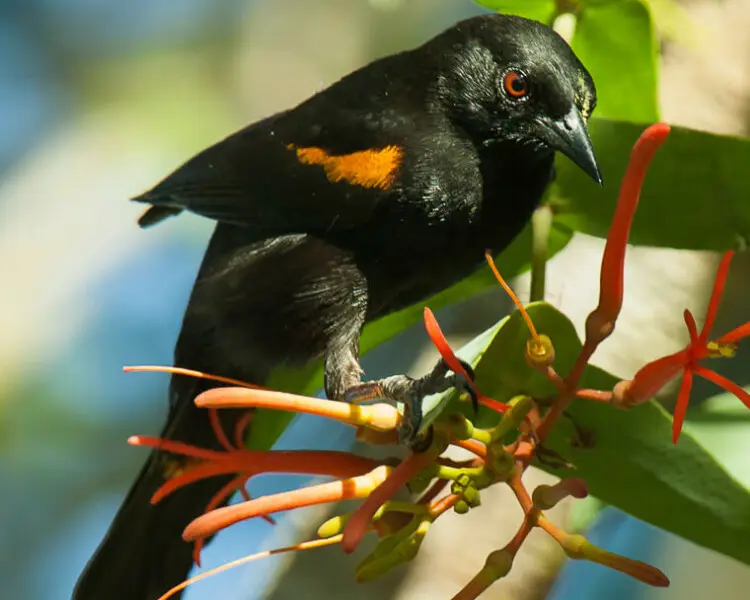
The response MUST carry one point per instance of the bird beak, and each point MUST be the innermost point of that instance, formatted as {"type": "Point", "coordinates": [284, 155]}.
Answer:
{"type": "Point", "coordinates": [570, 136]}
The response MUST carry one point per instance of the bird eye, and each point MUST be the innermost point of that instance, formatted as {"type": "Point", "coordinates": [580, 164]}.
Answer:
{"type": "Point", "coordinates": [516, 85]}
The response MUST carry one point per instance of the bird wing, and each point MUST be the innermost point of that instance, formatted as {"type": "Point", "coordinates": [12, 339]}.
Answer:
{"type": "Point", "coordinates": [317, 168]}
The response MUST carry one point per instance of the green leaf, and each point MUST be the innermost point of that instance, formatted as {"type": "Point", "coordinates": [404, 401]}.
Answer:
{"type": "Point", "coordinates": [722, 423]}
{"type": "Point", "coordinates": [539, 10]}
{"type": "Point", "coordinates": [268, 425]}
{"type": "Point", "coordinates": [631, 462]}
{"type": "Point", "coordinates": [617, 43]}
{"type": "Point", "coordinates": [695, 195]}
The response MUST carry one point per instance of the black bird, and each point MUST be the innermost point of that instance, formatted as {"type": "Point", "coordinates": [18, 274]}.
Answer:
{"type": "Point", "coordinates": [375, 193]}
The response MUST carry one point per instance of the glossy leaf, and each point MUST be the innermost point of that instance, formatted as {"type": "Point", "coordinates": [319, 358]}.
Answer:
{"type": "Point", "coordinates": [722, 423]}
{"type": "Point", "coordinates": [695, 196]}
{"type": "Point", "coordinates": [629, 460]}
{"type": "Point", "coordinates": [617, 43]}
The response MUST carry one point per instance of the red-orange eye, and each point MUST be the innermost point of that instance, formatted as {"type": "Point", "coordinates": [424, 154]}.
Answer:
{"type": "Point", "coordinates": [515, 85]}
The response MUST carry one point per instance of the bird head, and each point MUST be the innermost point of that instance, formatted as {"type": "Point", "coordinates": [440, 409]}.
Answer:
{"type": "Point", "coordinates": [509, 79]}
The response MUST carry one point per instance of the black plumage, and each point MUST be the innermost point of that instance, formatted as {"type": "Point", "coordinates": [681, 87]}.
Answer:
{"type": "Point", "coordinates": [373, 194]}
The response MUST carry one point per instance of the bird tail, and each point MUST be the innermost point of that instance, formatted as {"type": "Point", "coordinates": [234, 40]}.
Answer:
{"type": "Point", "coordinates": [156, 214]}
{"type": "Point", "coordinates": [143, 554]}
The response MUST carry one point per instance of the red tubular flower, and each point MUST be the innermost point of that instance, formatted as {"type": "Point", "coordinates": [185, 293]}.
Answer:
{"type": "Point", "coordinates": [450, 358]}
{"type": "Point", "coordinates": [613, 261]}
{"type": "Point", "coordinates": [334, 491]}
{"type": "Point", "coordinates": [360, 521]}
{"type": "Point", "coordinates": [245, 464]}
{"type": "Point", "coordinates": [656, 374]}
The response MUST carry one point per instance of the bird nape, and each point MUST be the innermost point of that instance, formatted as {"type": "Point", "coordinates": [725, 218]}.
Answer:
{"type": "Point", "coordinates": [375, 193]}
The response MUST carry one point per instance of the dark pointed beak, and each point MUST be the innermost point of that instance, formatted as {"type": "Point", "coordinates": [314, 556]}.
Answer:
{"type": "Point", "coordinates": [570, 136]}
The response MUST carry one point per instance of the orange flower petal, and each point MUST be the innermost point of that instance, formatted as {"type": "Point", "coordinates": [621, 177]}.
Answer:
{"type": "Point", "coordinates": [681, 406]}
{"type": "Point", "coordinates": [217, 499]}
{"type": "Point", "coordinates": [197, 473]}
{"type": "Point", "coordinates": [718, 290]}
{"type": "Point", "coordinates": [613, 261]}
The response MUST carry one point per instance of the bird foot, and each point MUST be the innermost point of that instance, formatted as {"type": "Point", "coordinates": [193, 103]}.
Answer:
{"type": "Point", "coordinates": [411, 392]}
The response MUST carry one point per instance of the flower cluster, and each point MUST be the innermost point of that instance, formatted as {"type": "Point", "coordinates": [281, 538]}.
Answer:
{"type": "Point", "coordinates": [501, 453]}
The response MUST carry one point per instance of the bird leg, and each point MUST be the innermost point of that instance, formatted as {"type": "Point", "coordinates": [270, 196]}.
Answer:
{"type": "Point", "coordinates": [411, 392]}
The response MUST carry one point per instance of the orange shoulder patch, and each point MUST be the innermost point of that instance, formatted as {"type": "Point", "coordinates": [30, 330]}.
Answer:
{"type": "Point", "coordinates": [369, 168]}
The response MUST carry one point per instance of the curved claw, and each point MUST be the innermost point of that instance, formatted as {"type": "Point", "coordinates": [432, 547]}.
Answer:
{"type": "Point", "coordinates": [469, 369]}
{"type": "Point", "coordinates": [474, 399]}
{"type": "Point", "coordinates": [423, 441]}
{"type": "Point", "coordinates": [411, 392]}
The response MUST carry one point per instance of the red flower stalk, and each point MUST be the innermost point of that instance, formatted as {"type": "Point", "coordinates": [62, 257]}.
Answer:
{"type": "Point", "coordinates": [613, 268]}
{"type": "Point", "coordinates": [601, 322]}
{"type": "Point", "coordinates": [653, 376]}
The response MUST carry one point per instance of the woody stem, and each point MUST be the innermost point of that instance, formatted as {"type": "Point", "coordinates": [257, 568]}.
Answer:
{"type": "Point", "coordinates": [565, 398]}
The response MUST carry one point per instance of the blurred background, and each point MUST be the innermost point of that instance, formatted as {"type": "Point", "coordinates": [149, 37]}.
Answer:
{"type": "Point", "coordinates": [98, 101]}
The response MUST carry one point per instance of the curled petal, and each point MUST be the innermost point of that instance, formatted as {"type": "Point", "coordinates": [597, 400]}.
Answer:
{"type": "Point", "coordinates": [217, 499]}
{"type": "Point", "coordinates": [681, 406]}
{"type": "Point", "coordinates": [241, 427]}
{"type": "Point", "coordinates": [221, 436]}
{"type": "Point", "coordinates": [197, 473]}
{"type": "Point", "coordinates": [722, 381]}
{"type": "Point", "coordinates": [613, 261]}
{"type": "Point", "coordinates": [718, 290]}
